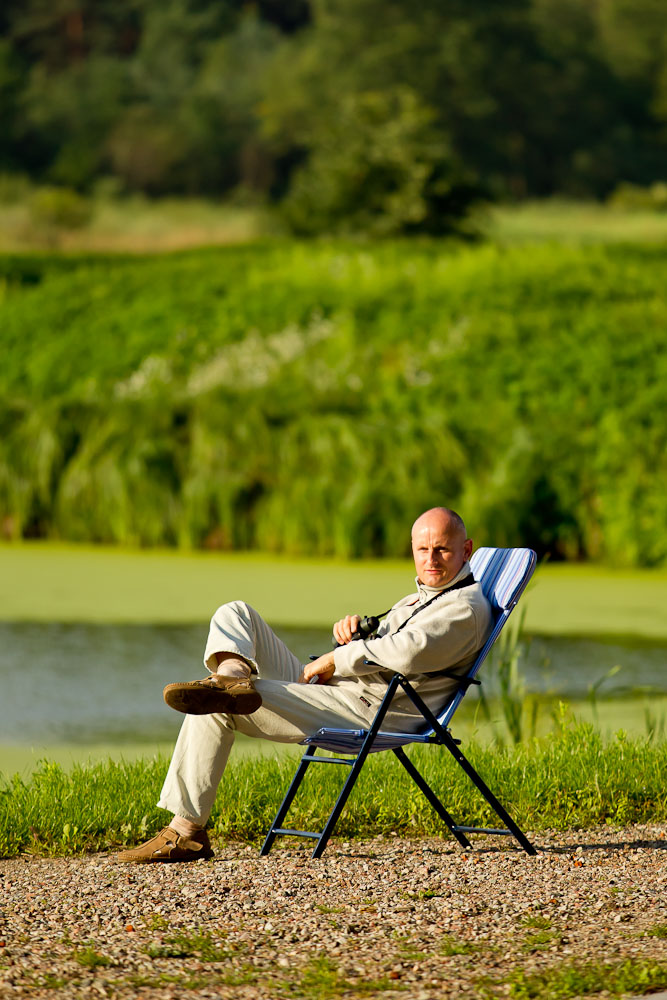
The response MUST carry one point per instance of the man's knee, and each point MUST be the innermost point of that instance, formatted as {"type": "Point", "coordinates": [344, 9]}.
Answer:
{"type": "Point", "coordinates": [238, 608]}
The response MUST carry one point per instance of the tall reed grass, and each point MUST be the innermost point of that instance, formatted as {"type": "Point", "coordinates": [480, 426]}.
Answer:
{"type": "Point", "coordinates": [311, 398]}
{"type": "Point", "coordinates": [572, 779]}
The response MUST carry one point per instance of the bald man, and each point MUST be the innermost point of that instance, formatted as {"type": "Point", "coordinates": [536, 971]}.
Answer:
{"type": "Point", "coordinates": [258, 687]}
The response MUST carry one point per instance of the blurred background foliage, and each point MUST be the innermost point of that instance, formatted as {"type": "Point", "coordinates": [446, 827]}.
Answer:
{"type": "Point", "coordinates": [350, 115]}
{"type": "Point", "coordinates": [310, 397]}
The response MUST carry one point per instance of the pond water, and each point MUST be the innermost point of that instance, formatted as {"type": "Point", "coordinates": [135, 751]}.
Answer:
{"type": "Point", "coordinates": [96, 683]}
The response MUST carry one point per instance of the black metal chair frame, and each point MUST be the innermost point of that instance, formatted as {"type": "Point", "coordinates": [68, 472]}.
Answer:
{"type": "Point", "coordinates": [441, 737]}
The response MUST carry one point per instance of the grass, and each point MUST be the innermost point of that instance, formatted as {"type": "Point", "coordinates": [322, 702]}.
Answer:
{"type": "Point", "coordinates": [320, 978]}
{"type": "Point", "coordinates": [450, 946]}
{"type": "Point", "coordinates": [536, 921]}
{"type": "Point", "coordinates": [184, 945]}
{"type": "Point", "coordinates": [572, 979]}
{"type": "Point", "coordinates": [540, 940]}
{"type": "Point", "coordinates": [561, 221]}
{"type": "Point", "coordinates": [47, 581]}
{"type": "Point", "coordinates": [144, 225]}
{"type": "Point", "coordinates": [90, 959]}
{"type": "Point", "coordinates": [135, 225]}
{"type": "Point", "coordinates": [573, 779]}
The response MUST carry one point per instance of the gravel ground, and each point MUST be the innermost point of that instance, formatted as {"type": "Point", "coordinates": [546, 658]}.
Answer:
{"type": "Point", "coordinates": [388, 917]}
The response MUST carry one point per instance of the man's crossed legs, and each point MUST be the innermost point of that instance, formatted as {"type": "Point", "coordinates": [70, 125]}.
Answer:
{"type": "Point", "coordinates": [239, 641]}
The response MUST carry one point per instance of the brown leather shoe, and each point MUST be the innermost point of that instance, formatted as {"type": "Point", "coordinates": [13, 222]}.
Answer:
{"type": "Point", "coordinates": [168, 845]}
{"type": "Point", "coordinates": [235, 695]}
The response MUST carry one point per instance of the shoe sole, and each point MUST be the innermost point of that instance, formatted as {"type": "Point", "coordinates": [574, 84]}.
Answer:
{"type": "Point", "coordinates": [162, 861]}
{"type": "Point", "coordinates": [208, 701]}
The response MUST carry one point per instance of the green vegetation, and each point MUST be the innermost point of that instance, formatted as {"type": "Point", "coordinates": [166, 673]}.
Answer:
{"type": "Point", "coordinates": [184, 945]}
{"type": "Point", "coordinates": [135, 224]}
{"type": "Point", "coordinates": [132, 224]}
{"type": "Point", "coordinates": [573, 779]}
{"type": "Point", "coordinates": [632, 714]}
{"type": "Point", "coordinates": [23, 760]}
{"type": "Point", "coordinates": [541, 923]}
{"type": "Point", "coordinates": [560, 221]}
{"type": "Point", "coordinates": [540, 940]}
{"type": "Point", "coordinates": [319, 978]}
{"type": "Point", "coordinates": [577, 979]}
{"type": "Point", "coordinates": [346, 116]}
{"type": "Point", "coordinates": [449, 946]}
{"type": "Point", "coordinates": [90, 958]}
{"type": "Point", "coordinates": [309, 399]}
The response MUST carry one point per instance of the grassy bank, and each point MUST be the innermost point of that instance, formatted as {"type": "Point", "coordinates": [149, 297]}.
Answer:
{"type": "Point", "coordinates": [44, 582]}
{"type": "Point", "coordinates": [574, 779]}
{"type": "Point", "coordinates": [312, 398]}
{"type": "Point", "coordinates": [142, 225]}
{"type": "Point", "coordinates": [561, 221]}
{"type": "Point", "coordinates": [127, 225]}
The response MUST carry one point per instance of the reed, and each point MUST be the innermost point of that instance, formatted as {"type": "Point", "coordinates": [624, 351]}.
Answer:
{"type": "Point", "coordinates": [310, 398]}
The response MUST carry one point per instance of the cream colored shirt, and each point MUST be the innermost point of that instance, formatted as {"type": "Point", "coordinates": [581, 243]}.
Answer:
{"type": "Point", "coordinates": [447, 635]}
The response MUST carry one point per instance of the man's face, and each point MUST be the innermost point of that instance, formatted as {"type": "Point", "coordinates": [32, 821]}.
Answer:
{"type": "Point", "coordinates": [439, 550]}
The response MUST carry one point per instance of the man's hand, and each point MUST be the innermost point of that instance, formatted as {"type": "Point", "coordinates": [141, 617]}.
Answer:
{"type": "Point", "coordinates": [345, 629]}
{"type": "Point", "coordinates": [323, 668]}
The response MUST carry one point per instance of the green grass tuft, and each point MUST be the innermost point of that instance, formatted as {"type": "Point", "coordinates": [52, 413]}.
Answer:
{"type": "Point", "coordinates": [321, 979]}
{"type": "Point", "coordinates": [187, 945]}
{"type": "Point", "coordinates": [658, 931]}
{"type": "Point", "coordinates": [90, 958]}
{"type": "Point", "coordinates": [565, 982]}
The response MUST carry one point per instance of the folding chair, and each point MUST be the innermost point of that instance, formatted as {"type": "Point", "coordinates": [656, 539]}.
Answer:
{"type": "Point", "coordinates": [503, 574]}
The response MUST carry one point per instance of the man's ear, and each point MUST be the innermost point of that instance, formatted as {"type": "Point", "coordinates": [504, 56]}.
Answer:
{"type": "Point", "coordinates": [467, 548]}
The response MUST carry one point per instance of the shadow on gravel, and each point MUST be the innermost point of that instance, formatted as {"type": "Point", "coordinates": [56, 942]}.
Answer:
{"type": "Point", "coordinates": [514, 849]}
{"type": "Point", "coordinates": [624, 845]}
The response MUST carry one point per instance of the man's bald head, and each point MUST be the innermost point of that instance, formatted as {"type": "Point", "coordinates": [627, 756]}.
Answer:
{"type": "Point", "coordinates": [441, 517]}
{"type": "Point", "coordinates": [439, 546]}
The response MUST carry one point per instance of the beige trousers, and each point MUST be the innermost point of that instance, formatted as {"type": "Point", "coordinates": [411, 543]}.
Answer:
{"type": "Point", "coordinates": [290, 711]}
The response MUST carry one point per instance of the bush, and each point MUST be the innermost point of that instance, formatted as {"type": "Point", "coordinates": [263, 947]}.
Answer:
{"type": "Point", "coordinates": [635, 198]}
{"type": "Point", "coordinates": [60, 207]}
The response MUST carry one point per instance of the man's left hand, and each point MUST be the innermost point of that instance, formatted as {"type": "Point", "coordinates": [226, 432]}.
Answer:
{"type": "Point", "coordinates": [323, 668]}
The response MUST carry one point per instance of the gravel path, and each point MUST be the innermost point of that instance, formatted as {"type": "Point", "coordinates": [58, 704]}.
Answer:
{"type": "Point", "coordinates": [387, 917]}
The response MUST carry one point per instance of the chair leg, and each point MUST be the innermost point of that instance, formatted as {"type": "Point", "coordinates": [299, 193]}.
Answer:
{"type": "Point", "coordinates": [431, 796]}
{"type": "Point", "coordinates": [488, 795]}
{"type": "Point", "coordinates": [350, 781]}
{"type": "Point", "coordinates": [287, 801]}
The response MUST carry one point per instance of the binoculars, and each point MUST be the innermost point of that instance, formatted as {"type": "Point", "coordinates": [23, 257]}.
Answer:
{"type": "Point", "coordinates": [365, 629]}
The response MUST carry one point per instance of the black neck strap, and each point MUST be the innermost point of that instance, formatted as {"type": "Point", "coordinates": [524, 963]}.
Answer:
{"type": "Point", "coordinates": [467, 581]}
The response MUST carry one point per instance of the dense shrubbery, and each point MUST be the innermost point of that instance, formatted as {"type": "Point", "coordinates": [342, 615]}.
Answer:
{"type": "Point", "coordinates": [312, 398]}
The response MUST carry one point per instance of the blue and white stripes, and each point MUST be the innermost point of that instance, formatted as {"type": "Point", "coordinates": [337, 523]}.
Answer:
{"type": "Point", "coordinates": [503, 574]}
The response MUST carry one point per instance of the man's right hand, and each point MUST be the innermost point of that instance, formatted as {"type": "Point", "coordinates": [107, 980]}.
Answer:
{"type": "Point", "coordinates": [345, 629]}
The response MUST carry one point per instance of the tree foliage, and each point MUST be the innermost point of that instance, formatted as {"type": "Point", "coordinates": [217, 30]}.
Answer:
{"type": "Point", "coordinates": [356, 114]}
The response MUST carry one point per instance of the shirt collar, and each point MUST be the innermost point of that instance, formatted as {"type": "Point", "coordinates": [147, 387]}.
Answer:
{"type": "Point", "coordinates": [426, 593]}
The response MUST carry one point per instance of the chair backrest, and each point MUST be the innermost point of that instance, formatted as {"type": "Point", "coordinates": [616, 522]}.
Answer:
{"type": "Point", "coordinates": [504, 575]}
